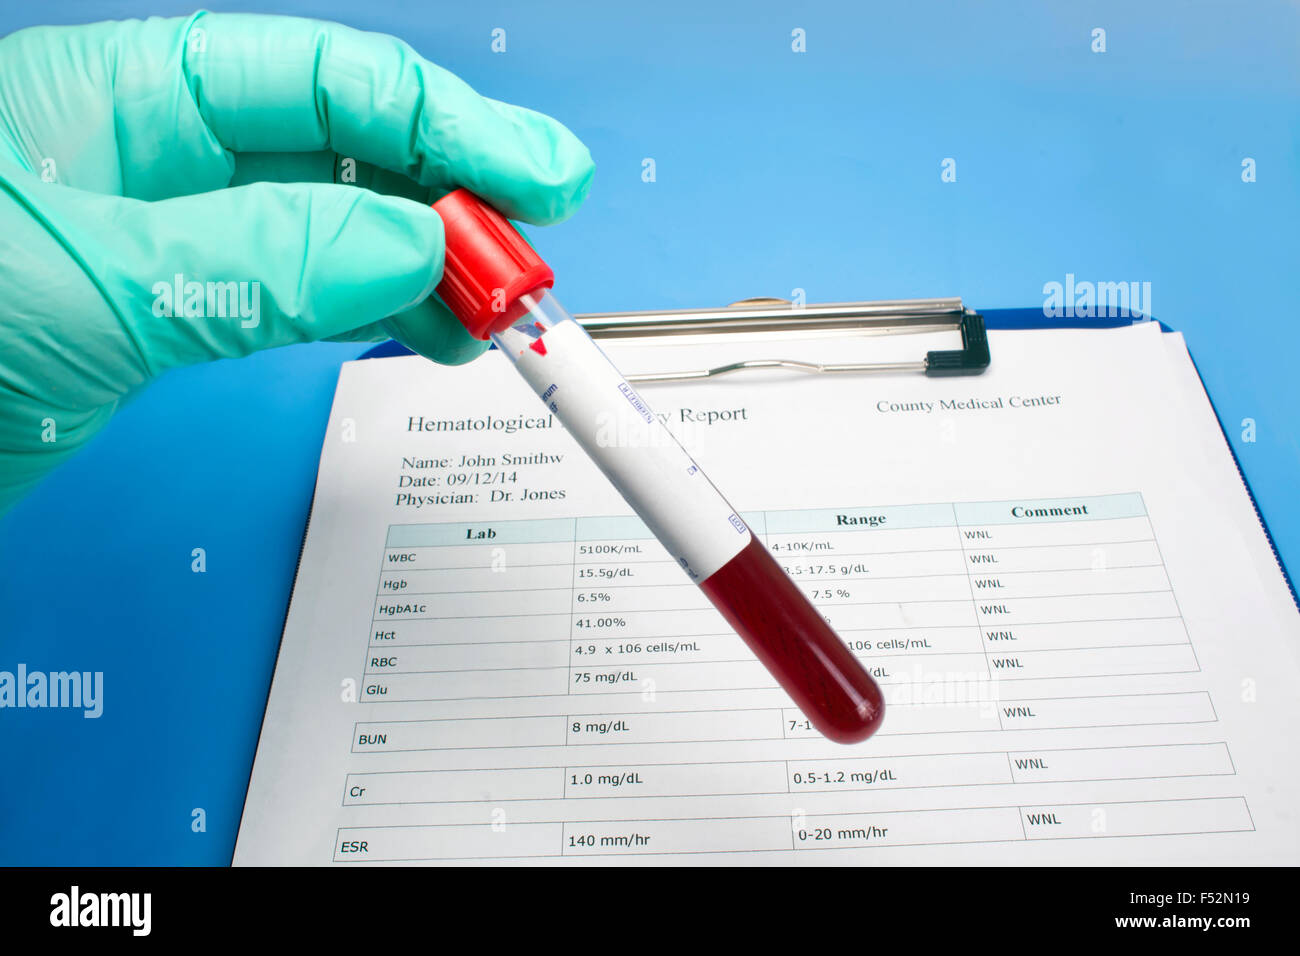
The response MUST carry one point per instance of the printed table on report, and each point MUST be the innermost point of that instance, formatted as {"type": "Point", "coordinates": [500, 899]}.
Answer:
{"type": "Point", "coordinates": [978, 596]}
{"type": "Point", "coordinates": [593, 605]}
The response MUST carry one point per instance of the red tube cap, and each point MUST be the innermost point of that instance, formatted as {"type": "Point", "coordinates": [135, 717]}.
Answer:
{"type": "Point", "coordinates": [488, 265]}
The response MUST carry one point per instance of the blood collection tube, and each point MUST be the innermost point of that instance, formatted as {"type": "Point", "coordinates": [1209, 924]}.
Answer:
{"type": "Point", "coordinates": [499, 288]}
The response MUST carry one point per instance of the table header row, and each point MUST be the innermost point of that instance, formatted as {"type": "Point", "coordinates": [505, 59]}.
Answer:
{"type": "Point", "coordinates": [801, 521]}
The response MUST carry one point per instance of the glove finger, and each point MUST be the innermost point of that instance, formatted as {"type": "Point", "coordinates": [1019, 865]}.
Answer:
{"type": "Point", "coordinates": [157, 108]}
{"type": "Point", "coordinates": [154, 109]}
{"type": "Point", "coordinates": [281, 84]}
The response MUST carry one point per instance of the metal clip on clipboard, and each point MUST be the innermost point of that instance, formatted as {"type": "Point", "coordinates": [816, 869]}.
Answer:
{"type": "Point", "coordinates": [883, 317]}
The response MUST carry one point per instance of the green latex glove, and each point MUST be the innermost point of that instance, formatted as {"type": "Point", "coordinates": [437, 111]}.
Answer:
{"type": "Point", "coordinates": [292, 158]}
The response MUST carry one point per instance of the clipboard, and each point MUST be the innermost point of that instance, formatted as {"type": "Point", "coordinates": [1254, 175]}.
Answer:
{"type": "Point", "coordinates": [881, 317]}
{"type": "Point", "coordinates": [841, 321]}
{"type": "Point", "coordinates": [869, 317]}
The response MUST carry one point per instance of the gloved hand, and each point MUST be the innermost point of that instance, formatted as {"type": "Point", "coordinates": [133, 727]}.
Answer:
{"type": "Point", "coordinates": [173, 191]}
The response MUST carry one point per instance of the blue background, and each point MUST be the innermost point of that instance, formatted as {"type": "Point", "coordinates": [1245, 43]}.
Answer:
{"type": "Point", "coordinates": [775, 171]}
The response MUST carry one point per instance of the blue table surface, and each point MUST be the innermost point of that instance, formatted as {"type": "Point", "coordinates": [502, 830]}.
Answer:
{"type": "Point", "coordinates": [776, 171]}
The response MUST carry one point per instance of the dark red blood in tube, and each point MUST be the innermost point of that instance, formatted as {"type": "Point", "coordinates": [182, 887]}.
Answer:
{"type": "Point", "coordinates": [787, 633]}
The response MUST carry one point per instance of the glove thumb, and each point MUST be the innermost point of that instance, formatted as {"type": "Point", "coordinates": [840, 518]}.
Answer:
{"type": "Point", "coordinates": [225, 273]}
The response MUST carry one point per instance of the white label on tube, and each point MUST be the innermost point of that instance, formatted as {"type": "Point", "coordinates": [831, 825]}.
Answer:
{"type": "Point", "coordinates": [636, 452]}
